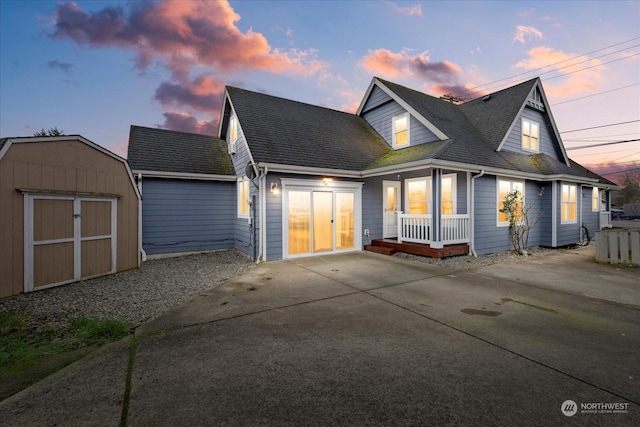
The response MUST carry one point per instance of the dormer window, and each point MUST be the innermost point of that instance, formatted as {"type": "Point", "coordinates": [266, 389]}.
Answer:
{"type": "Point", "coordinates": [400, 128]}
{"type": "Point", "coordinates": [530, 136]}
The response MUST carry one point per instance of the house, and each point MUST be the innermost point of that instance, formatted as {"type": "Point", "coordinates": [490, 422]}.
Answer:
{"type": "Point", "coordinates": [68, 212]}
{"type": "Point", "coordinates": [407, 171]}
{"type": "Point", "coordinates": [188, 187]}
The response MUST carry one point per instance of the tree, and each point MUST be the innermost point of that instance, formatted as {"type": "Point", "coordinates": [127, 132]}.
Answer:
{"type": "Point", "coordinates": [631, 191]}
{"type": "Point", "coordinates": [54, 131]}
{"type": "Point", "coordinates": [521, 219]}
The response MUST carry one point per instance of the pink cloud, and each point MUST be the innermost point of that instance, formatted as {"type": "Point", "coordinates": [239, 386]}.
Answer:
{"type": "Point", "coordinates": [187, 123]}
{"type": "Point", "coordinates": [203, 94]}
{"type": "Point", "coordinates": [183, 36]}
{"type": "Point", "coordinates": [204, 31]}
{"type": "Point", "coordinates": [573, 83]}
{"type": "Point", "coordinates": [524, 32]}
{"type": "Point", "coordinates": [440, 77]}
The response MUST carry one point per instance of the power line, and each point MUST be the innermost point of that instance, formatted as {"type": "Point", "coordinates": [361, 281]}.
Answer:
{"type": "Point", "coordinates": [552, 64]}
{"type": "Point", "coordinates": [601, 126]}
{"type": "Point", "coordinates": [601, 145]}
{"type": "Point", "coordinates": [588, 68]}
{"type": "Point", "coordinates": [622, 171]}
{"type": "Point", "coordinates": [595, 94]}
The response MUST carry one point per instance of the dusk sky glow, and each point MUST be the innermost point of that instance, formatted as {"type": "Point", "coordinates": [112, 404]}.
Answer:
{"type": "Point", "coordinates": [96, 67]}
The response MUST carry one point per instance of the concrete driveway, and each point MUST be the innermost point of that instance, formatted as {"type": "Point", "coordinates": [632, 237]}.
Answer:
{"type": "Point", "coordinates": [364, 339]}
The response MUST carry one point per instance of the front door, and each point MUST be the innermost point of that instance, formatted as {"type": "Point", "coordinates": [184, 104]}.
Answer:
{"type": "Point", "coordinates": [390, 199]}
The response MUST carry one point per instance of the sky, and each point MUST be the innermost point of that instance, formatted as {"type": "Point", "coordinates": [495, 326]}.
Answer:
{"type": "Point", "coordinates": [95, 68]}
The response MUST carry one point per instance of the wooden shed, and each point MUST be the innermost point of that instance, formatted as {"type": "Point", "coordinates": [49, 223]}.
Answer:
{"type": "Point", "coordinates": [69, 210]}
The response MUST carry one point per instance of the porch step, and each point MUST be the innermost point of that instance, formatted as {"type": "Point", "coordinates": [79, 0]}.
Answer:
{"type": "Point", "coordinates": [384, 250]}
{"type": "Point", "coordinates": [417, 249]}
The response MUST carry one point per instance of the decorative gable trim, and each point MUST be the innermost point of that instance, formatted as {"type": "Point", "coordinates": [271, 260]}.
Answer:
{"type": "Point", "coordinates": [541, 106]}
{"type": "Point", "coordinates": [407, 107]}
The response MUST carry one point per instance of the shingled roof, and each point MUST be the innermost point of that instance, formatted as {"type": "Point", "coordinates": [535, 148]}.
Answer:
{"type": "Point", "coordinates": [161, 150]}
{"type": "Point", "coordinates": [286, 132]}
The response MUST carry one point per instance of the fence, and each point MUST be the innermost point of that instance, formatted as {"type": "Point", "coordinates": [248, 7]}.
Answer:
{"type": "Point", "coordinates": [618, 246]}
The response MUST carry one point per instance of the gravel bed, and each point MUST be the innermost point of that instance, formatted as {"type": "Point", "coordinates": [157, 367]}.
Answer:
{"type": "Point", "coordinates": [134, 296]}
{"type": "Point", "coordinates": [470, 262]}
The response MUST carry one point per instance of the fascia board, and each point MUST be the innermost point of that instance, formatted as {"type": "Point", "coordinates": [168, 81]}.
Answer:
{"type": "Point", "coordinates": [184, 175]}
{"type": "Point", "coordinates": [552, 121]}
{"type": "Point", "coordinates": [274, 167]}
{"type": "Point", "coordinates": [365, 98]}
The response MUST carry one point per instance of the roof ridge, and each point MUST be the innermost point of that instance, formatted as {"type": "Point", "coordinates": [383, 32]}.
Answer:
{"type": "Point", "coordinates": [289, 100]}
{"type": "Point", "coordinates": [174, 131]}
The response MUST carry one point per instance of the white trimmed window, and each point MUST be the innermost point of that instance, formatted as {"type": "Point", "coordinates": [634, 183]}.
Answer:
{"type": "Point", "coordinates": [530, 135]}
{"type": "Point", "coordinates": [504, 187]}
{"type": "Point", "coordinates": [595, 200]}
{"type": "Point", "coordinates": [233, 134]}
{"type": "Point", "coordinates": [569, 208]}
{"type": "Point", "coordinates": [419, 195]}
{"type": "Point", "coordinates": [400, 129]}
{"type": "Point", "coordinates": [243, 197]}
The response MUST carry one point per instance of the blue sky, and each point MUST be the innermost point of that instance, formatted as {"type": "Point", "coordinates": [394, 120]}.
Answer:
{"type": "Point", "coordinates": [96, 67]}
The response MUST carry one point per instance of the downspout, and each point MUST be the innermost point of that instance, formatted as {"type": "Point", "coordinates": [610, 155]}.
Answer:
{"type": "Point", "coordinates": [473, 214]}
{"type": "Point", "coordinates": [262, 216]}
{"type": "Point", "coordinates": [142, 253]}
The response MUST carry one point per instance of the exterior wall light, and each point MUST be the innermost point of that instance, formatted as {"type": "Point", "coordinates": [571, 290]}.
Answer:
{"type": "Point", "coordinates": [326, 181]}
{"type": "Point", "coordinates": [275, 190]}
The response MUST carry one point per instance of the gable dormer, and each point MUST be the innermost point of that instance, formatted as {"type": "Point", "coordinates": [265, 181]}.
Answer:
{"type": "Point", "coordinates": [533, 131]}
{"type": "Point", "coordinates": [395, 119]}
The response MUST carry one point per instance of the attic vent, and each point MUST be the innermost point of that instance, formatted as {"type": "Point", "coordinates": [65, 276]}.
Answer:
{"type": "Point", "coordinates": [486, 97]}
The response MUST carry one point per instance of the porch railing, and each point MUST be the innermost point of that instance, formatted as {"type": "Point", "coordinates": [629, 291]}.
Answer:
{"type": "Point", "coordinates": [419, 229]}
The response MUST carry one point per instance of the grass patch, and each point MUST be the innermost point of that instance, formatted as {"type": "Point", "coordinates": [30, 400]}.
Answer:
{"type": "Point", "coordinates": [21, 342]}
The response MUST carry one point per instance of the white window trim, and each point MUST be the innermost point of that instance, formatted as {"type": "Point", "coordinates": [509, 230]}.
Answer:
{"type": "Point", "coordinates": [498, 200]}
{"type": "Point", "coordinates": [595, 199]}
{"type": "Point", "coordinates": [233, 127]}
{"type": "Point", "coordinates": [427, 179]}
{"type": "Point", "coordinates": [316, 185]}
{"type": "Point", "coordinates": [393, 130]}
{"type": "Point", "coordinates": [240, 182]}
{"type": "Point", "coordinates": [575, 189]}
{"type": "Point", "coordinates": [531, 123]}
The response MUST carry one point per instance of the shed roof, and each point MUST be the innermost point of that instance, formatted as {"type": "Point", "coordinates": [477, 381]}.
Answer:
{"type": "Point", "coordinates": [161, 150]}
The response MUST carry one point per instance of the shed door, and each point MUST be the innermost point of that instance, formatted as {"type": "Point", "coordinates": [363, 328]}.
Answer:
{"type": "Point", "coordinates": [67, 239]}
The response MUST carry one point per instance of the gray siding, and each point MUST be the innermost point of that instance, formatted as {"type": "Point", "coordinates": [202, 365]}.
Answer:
{"type": "Point", "coordinates": [380, 119]}
{"type": "Point", "coordinates": [547, 142]}
{"type": "Point", "coordinates": [489, 238]}
{"type": "Point", "coordinates": [590, 219]}
{"type": "Point", "coordinates": [568, 234]}
{"type": "Point", "coordinates": [245, 235]}
{"type": "Point", "coordinates": [185, 216]}
{"type": "Point", "coordinates": [545, 226]}
{"type": "Point", "coordinates": [377, 97]}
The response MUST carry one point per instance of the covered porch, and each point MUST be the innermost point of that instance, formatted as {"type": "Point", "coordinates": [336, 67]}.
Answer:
{"type": "Point", "coordinates": [417, 234]}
